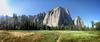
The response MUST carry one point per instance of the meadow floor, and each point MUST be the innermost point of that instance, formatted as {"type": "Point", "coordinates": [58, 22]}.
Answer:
{"type": "Point", "coordinates": [49, 36]}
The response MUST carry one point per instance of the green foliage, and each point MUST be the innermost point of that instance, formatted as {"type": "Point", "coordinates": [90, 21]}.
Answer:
{"type": "Point", "coordinates": [97, 26]}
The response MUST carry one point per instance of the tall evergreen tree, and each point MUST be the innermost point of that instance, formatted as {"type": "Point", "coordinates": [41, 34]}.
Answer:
{"type": "Point", "coordinates": [97, 26]}
{"type": "Point", "coordinates": [15, 21]}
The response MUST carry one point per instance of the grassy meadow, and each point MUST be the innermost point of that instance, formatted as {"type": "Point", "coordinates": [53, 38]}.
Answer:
{"type": "Point", "coordinates": [49, 36]}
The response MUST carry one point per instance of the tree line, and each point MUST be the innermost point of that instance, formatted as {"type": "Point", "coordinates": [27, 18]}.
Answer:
{"type": "Point", "coordinates": [35, 22]}
{"type": "Point", "coordinates": [22, 22]}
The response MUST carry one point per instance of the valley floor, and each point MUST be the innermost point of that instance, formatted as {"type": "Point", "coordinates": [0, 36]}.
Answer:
{"type": "Point", "coordinates": [49, 36]}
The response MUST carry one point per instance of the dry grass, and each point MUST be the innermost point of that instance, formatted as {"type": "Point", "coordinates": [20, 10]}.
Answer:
{"type": "Point", "coordinates": [14, 36]}
{"type": "Point", "coordinates": [19, 37]}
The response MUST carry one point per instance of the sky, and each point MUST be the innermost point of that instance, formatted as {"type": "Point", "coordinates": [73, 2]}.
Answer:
{"type": "Point", "coordinates": [88, 10]}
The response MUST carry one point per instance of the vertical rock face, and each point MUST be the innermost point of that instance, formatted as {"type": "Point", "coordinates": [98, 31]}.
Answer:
{"type": "Point", "coordinates": [78, 22]}
{"type": "Point", "coordinates": [57, 17]}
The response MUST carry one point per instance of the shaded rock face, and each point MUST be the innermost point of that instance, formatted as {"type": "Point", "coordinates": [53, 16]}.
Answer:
{"type": "Point", "coordinates": [78, 22]}
{"type": "Point", "coordinates": [39, 18]}
{"type": "Point", "coordinates": [57, 17]}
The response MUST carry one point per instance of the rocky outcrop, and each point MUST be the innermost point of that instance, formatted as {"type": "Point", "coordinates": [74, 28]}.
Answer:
{"type": "Point", "coordinates": [57, 17]}
{"type": "Point", "coordinates": [38, 19]}
{"type": "Point", "coordinates": [78, 22]}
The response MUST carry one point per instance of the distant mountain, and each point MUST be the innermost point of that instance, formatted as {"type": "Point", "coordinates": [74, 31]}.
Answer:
{"type": "Point", "coordinates": [57, 17]}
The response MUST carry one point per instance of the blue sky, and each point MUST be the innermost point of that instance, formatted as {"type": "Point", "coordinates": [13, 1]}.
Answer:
{"type": "Point", "coordinates": [88, 10]}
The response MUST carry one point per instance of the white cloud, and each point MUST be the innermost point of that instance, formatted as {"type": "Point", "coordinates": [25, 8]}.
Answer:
{"type": "Point", "coordinates": [4, 8]}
